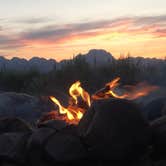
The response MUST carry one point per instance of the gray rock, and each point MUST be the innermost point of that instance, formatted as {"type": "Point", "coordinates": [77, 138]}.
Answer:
{"type": "Point", "coordinates": [54, 124]}
{"type": "Point", "coordinates": [22, 106]}
{"type": "Point", "coordinates": [159, 138]}
{"type": "Point", "coordinates": [13, 125]}
{"type": "Point", "coordinates": [65, 148]}
{"type": "Point", "coordinates": [155, 108]}
{"type": "Point", "coordinates": [35, 145]}
{"type": "Point", "coordinates": [13, 147]}
{"type": "Point", "coordinates": [114, 130]}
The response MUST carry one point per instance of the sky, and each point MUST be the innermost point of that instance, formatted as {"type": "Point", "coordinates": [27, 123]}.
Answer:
{"type": "Point", "coordinates": [59, 29]}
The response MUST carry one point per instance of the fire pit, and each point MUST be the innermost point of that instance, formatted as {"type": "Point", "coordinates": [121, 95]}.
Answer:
{"type": "Point", "coordinates": [104, 126]}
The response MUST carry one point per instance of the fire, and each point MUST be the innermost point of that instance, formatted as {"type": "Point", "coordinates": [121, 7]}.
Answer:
{"type": "Point", "coordinates": [130, 92]}
{"type": "Point", "coordinates": [76, 90]}
{"type": "Point", "coordinates": [75, 111]}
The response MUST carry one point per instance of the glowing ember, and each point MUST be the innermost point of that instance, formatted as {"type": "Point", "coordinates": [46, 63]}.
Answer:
{"type": "Point", "coordinates": [74, 111]}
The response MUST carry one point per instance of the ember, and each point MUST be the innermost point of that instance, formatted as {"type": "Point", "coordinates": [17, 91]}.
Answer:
{"type": "Point", "coordinates": [74, 111]}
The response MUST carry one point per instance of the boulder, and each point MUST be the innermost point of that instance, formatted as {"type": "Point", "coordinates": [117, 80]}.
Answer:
{"type": "Point", "coordinates": [35, 146]}
{"type": "Point", "coordinates": [54, 124]}
{"type": "Point", "coordinates": [114, 130]}
{"type": "Point", "coordinates": [155, 108]}
{"type": "Point", "coordinates": [13, 147]}
{"type": "Point", "coordinates": [14, 105]}
{"type": "Point", "coordinates": [13, 125]}
{"type": "Point", "coordinates": [65, 148]}
{"type": "Point", "coordinates": [159, 138]}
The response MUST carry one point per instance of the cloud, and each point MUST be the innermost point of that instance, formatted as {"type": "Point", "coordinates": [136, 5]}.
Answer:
{"type": "Point", "coordinates": [122, 25]}
{"type": "Point", "coordinates": [10, 42]}
{"type": "Point", "coordinates": [33, 20]}
{"type": "Point", "coordinates": [57, 34]}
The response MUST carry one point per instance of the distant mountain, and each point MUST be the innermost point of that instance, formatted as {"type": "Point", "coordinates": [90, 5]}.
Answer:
{"type": "Point", "coordinates": [17, 64]}
{"type": "Point", "coordinates": [95, 57]}
{"type": "Point", "coordinates": [98, 57]}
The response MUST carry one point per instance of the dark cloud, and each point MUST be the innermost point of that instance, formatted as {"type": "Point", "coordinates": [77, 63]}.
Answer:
{"type": "Point", "coordinates": [33, 20]}
{"type": "Point", "coordinates": [155, 25]}
{"type": "Point", "coordinates": [133, 24]}
{"type": "Point", "coordinates": [8, 42]}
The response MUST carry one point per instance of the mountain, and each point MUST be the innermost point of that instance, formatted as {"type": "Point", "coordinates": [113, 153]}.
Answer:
{"type": "Point", "coordinates": [18, 64]}
{"type": "Point", "coordinates": [95, 57]}
{"type": "Point", "coordinates": [98, 57]}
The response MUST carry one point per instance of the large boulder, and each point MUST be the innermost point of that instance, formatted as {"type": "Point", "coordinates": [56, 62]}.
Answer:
{"type": "Point", "coordinates": [65, 148]}
{"type": "Point", "coordinates": [159, 138]}
{"type": "Point", "coordinates": [14, 125]}
{"type": "Point", "coordinates": [35, 145]}
{"type": "Point", "coordinates": [114, 130]}
{"type": "Point", "coordinates": [13, 147]}
{"type": "Point", "coordinates": [22, 106]}
{"type": "Point", "coordinates": [155, 108]}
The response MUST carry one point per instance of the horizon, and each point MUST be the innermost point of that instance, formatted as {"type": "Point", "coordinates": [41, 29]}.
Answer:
{"type": "Point", "coordinates": [84, 54]}
{"type": "Point", "coordinates": [59, 29]}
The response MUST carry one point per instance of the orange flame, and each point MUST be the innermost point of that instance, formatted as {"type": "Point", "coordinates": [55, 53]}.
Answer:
{"type": "Point", "coordinates": [131, 92]}
{"type": "Point", "coordinates": [76, 90]}
{"type": "Point", "coordinates": [73, 112]}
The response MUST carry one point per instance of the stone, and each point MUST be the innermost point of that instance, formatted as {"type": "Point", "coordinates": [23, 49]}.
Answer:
{"type": "Point", "coordinates": [159, 138]}
{"type": "Point", "coordinates": [36, 144]}
{"type": "Point", "coordinates": [114, 129]}
{"type": "Point", "coordinates": [18, 105]}
{"type": "Point", "coordinates": [54, 124]}
{"type": "Point", "coordinates": [155, 108]}
{"type": "Point", "coordinates": [65, 148]}
{"type": "Point", "coordinates": [13, 147]}
{"type": "Point", "coordinates": [14, 125]}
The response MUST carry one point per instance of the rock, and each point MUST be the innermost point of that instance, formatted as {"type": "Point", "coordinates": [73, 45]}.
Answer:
{"type": "Point", "coordinates": [13, 147]}
{"type": "Point", "coordinates": [114, 129]}
{"type": "Point", "coordinates": [35, 145]}
{"type": "Point", "coordinates": [14, 105]}
{"type": "Point", "coordinates": [155, 108]}
{"type": "Point", "coordinates": [65, 148]}
{"type": "Point", "coordinates": [159, 138]}
{"type": "Point", "coordinates": [13, 125]}
{"type": "Point", "coordinates": [54, 124]}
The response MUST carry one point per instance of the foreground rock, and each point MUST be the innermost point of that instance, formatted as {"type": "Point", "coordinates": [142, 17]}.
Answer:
{"type": "Point", "coordinates": [20, 105]}
{"type": "Point", "coordinates": [13, 147]}
{"type": "Point", "coordinates": [14, 125]}
{"type": "Point", "coordinates": [114, 130]}
{"type": "Point", "coordinates": [159, 138]}
{"type": "Point", "coordinates": [35, 146]}
{"type": "Point", "coordinates": [65, 148]}
{"type": "Point", "coordinates": [155, 108]}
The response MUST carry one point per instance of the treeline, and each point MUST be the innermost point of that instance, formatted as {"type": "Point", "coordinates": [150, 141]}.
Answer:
{"type": "Point", "coordinates": [91, 77]}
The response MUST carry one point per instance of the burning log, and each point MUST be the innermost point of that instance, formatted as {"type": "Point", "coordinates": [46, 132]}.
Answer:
{"type": "Point", "coordinates": [114, 130]}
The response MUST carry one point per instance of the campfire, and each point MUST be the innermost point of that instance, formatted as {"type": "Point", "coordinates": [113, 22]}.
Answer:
{"type": "Point", "coordinates": [80, 100]}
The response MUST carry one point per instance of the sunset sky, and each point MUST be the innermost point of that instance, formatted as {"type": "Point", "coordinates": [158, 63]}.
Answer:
{"type": "Point", "coordinates": [59, 29]}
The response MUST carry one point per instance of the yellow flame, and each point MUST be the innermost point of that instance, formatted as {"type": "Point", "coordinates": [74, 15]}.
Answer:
{"type": "Point", "coordinates": [76, 90]}
{"type": "Point", "coordinates": [62, 110]}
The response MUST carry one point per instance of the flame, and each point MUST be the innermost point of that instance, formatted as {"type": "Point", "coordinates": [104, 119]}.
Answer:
{"type": "Point", "coordinates": [130, 92]}
{"type": "Point", "coordinates": [76, 90]}
{"type": "Point", "coordinates": [75, 111]}
{"type": "Point", "coordinates": [62, 110]}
